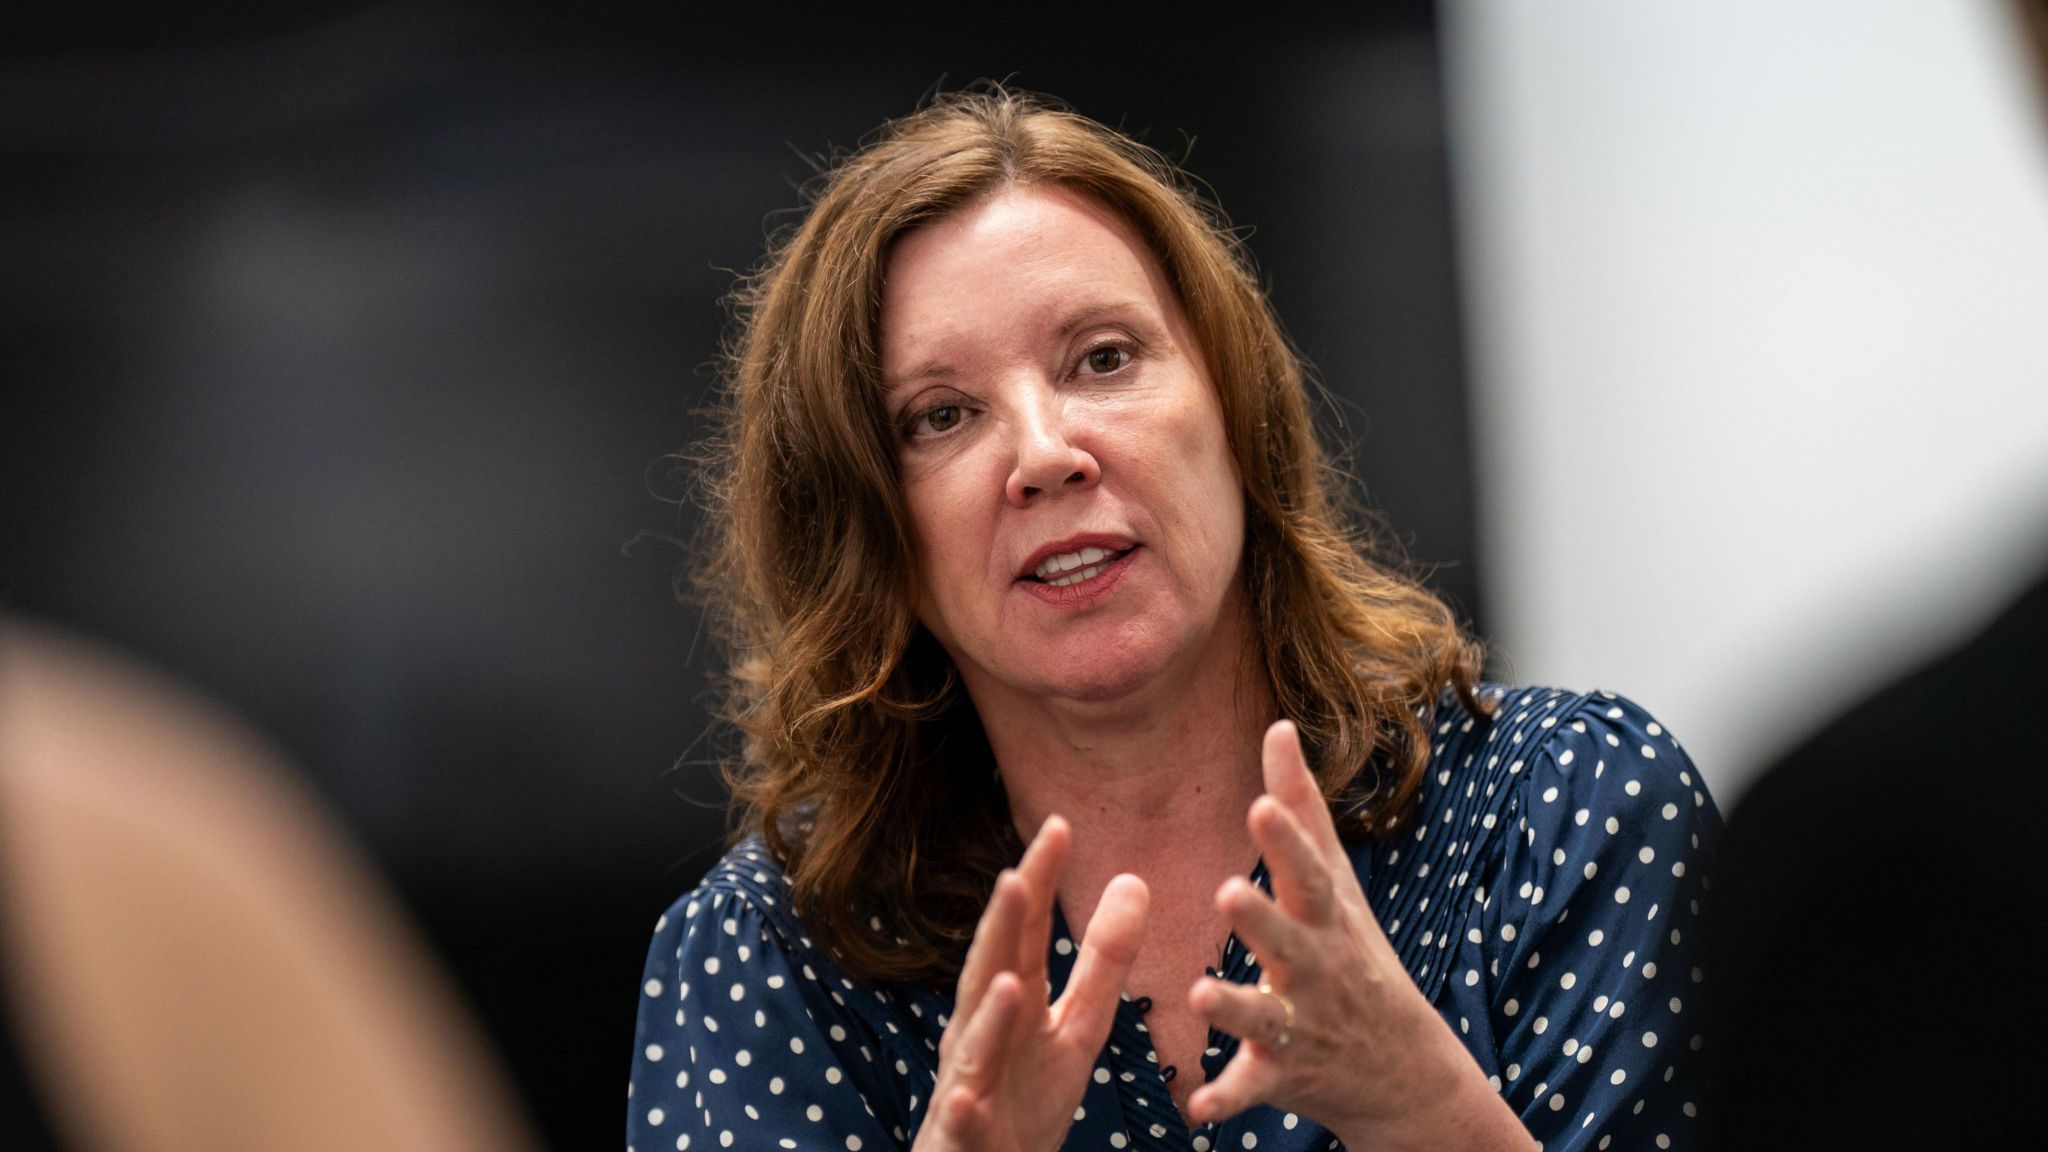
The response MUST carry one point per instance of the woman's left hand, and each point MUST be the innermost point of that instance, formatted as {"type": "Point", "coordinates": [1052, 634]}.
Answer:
{"type": "Point", "coordinates": [1337, 1032]}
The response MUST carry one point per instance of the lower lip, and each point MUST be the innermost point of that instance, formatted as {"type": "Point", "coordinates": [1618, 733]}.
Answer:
{"type": "Point", "coordinates": [1087, 591]}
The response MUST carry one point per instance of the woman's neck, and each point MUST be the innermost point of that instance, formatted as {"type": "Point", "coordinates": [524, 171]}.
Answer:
{"type": "Point", "coordinates": [1158, 789]}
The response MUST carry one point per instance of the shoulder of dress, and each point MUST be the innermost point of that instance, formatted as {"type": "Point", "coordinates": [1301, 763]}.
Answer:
{"type": "Point", "coordinates": [746, 883]}
{"type": "Point", "coordinates": [1488, 749]}
{"type": "Point", "coordinates": [1531, 728]}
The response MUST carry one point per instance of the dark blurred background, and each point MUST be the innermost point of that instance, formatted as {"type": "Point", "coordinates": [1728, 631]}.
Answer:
{"type": "Point", "coordinates": [344, 348]}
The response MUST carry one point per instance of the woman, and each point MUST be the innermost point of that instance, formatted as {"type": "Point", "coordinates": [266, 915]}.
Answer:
{"type": "Point", "coordinates": [1098, 790]}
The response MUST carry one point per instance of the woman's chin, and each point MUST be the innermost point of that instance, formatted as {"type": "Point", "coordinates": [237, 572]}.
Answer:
{"type": "Point", "coordinates": [1091, 680]}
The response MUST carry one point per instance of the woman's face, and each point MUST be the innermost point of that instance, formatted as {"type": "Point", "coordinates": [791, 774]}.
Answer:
{"type": "Point", "coordinates": [1078, 515]}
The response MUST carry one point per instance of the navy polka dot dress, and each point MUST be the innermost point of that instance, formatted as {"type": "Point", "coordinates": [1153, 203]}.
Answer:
{"type": "Point", "coordinates": [1546, 897]}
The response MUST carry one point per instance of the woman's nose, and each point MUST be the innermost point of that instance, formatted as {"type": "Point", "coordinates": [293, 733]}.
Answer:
{"type": "Point", "coordinates": [1047, 460]}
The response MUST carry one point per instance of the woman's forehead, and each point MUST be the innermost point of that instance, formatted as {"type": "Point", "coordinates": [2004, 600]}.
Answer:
{"type": "Point", "coordinates": [1041, 259]}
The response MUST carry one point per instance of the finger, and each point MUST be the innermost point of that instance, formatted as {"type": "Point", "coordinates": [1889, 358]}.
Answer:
{"type": "Point", "coordinates": [1108, 947]}
{"type": "Point", "coordinates": [1277, 939]}
{"type": "Point", "coordinates": [1246, 1013]}
{"type": "Point", "coordinates": [1301, 875]}
{"type": "Point", "coordinates": [995, 944]}
{"type": "Point", "coordinates": [1040, 870]}
{"type": "Point", "coordinates": [977, 1063]}
{"type": "Point", "coordinates": [1245, 1081]}
{"type": "Point", "coordinates": [1289, 781]}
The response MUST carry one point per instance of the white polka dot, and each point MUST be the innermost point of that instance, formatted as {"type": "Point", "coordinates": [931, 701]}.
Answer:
{"type": "Point", "coordinates": [1633, 787]}
{"type": "Point", "coordinates": [1251, 1141]}
{"type": "Point", "coordinates": [1663, 1141]}
{"type": "Point", "coordinates": [1595, 937]}
{"type": "Point", "coordinates": [683, 1078]}
{"type": "Point", "coordinates": [1671, 811]}
{"type": "Point", "coordinates": [1580, 816]}
{"type": "Point", "coordinates": [655, 1116]}
{"type": "Point", "coordinates": [1511, 1007]}
{"type": "Point", "coordinates": [833, 1075]}
{"type": "Point", "coordinates": [1557, 1102]}
{"type": "Point", "coordinates": [1102, 1075]}
{"type": "Point", "coordinates": [1063, 946]}
{"type": "Point", "coordinates": [796, 1045]}
{"type": "Point", "coordinates": [739, 991]}
{"type": "Point", "coordinates": [655, 1053]}
{"type": "Point", "coordinates": [1613, 825]}
{"type": "Point", "coordinates": [652, 988]}
{"type": "Point", "coordinates": [1116, 1140]}
{"type": "Point", "coordinates": [1649, 1039]}
{"type": "Point", "coordinates": [725, 1138]}
{"type": "Point", "coordinates": [1649, 753]}
{"type": "Point", "coordinates": [853, 1144]}
{"type": "Point", "coordinates": [1591, 869]}
{"type": "Point", "coordinates": [1541, 1025]}
{"type": "Point", "coordinates": [1618, 1076]}
{"type": "Point", "coordinates": [1471, 977]}
{"type": "Point", "coordinates": [683, 1143]}
{"type": "Point", "coordinates": [716, 1076]}
{"type": "Point", "coordinates": [814, 1113]}
{"type": "Point", "coordinates": [1289, 1121]}
{"type": "Point", "coordinates": [711, 965]}
{"type": "Point", "coordinates": [1080, 1113]}
{"type": "Point", "coordinates": [1621, 894]}
{"type": "Point", "coordinates": [1567, 980]}
{"type": "Point", "coordinates": [1650, 970]}
{"type": "Point", "coordinates": [775, 1086]}
{"type": "Point", "coordinates": [743, 1057]}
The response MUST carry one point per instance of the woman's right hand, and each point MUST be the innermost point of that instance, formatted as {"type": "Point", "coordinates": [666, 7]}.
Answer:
{"type": "Point", "coordinates": [1012, 1068]}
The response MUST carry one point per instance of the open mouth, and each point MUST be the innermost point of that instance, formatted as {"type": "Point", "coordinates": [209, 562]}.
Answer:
{"type": "Point", "coordinates": [1070, 568]}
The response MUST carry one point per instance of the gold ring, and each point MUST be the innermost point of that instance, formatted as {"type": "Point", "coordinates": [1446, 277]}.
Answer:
{"type": "Point", "coordinates": [1287, 1029]}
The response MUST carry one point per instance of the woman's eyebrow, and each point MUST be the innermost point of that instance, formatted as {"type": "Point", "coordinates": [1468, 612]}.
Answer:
{"type": "Point", "coordinates": [1089, 313]}
{"type": "Point", "coordinates": [929, 370]}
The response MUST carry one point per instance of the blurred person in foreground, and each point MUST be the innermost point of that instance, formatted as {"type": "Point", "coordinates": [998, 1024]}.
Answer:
{"type": "Point", "coordinates": [1100, 788]}
{"type": "Point", "coordinates": [1884, 903]}
{"type": "Point", "coordinates": [192, 957]}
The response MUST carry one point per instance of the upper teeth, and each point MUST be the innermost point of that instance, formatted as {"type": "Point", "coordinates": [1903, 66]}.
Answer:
{"type": "Point", "coordinates": [1068, 561]}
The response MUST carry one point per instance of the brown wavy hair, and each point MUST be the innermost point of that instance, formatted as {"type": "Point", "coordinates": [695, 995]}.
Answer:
{"type": "Point", "coordinates": [861, 761]}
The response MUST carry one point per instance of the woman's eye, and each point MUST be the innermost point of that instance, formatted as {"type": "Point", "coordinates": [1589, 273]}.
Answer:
{"type": "Point", "coordinates": [937, 418]}
{"type": "Point", "coordinates": [1106, 359]}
